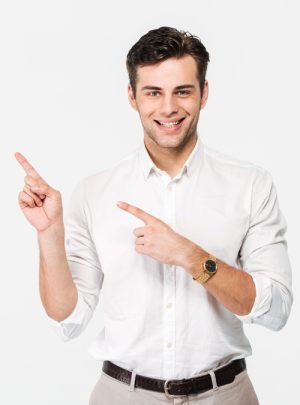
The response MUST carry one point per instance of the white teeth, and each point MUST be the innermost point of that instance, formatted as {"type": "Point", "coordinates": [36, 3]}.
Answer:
{"type": "Point", "coordinates": [169, 124]}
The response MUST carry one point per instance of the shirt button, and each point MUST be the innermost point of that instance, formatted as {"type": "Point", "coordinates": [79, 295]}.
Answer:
{"type": "Point", "coordinates": [169, 345]}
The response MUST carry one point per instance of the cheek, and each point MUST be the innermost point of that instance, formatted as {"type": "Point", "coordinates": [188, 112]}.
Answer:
{"type": "Point", "coordinates": [192, 106]}
{"type": "Point", "coordinates": [147, 111]}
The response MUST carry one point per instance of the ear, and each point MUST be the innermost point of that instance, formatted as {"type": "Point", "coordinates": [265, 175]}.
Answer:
{"type": "Point", "coordinates": [204, 95]}
{"type": "Point", "coordinates": [131, 97]}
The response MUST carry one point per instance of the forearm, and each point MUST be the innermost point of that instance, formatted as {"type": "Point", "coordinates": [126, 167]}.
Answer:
{"type": "Point", "coordinates": [232, 287]}
{"type": "Point", "coordinates": [57, 288]}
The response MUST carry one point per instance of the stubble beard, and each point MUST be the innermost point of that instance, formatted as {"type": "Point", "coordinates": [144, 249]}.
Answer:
{"type": "Point", "coordinates": [170, 140]}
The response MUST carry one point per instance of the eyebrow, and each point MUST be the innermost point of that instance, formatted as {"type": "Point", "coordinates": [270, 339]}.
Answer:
{"type": "Point", "coordinates": [183, 86]}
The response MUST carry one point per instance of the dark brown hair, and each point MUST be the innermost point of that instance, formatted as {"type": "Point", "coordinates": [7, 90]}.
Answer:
{"type": "Point", "coordinates": [163, 43]}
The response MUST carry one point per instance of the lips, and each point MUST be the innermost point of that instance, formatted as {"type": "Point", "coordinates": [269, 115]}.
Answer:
{"type": "Point", "coordinates": [170, 124]}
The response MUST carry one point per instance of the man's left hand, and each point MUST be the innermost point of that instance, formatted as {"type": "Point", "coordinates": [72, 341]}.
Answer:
{"type": "Point", "coordinates": [158, 240]}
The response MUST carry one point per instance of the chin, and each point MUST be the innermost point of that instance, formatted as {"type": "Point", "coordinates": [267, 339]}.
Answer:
{"type": "Point", "coordinates": [170, 141]}
{"type": "Point", "coordinates": [167, 142]}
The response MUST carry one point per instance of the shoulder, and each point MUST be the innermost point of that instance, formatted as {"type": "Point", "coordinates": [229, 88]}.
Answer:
{"type": "Point", "coordinates": [95, 182]}
{"type": "Point", "coordinates": [231, 167]}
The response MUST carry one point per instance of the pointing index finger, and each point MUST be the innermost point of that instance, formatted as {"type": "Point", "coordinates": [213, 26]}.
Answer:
{"type": "Point", "coordinates": [29, 169]}
{"type": "Point", "coordinates": [138, 212]}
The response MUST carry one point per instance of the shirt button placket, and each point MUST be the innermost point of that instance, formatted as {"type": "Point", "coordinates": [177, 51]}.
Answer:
{"type": "Point", "coordinates": [169, 291]}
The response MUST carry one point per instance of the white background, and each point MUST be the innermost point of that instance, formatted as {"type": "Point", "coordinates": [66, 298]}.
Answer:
{"type": "Point", "coordinates": [63, 103]}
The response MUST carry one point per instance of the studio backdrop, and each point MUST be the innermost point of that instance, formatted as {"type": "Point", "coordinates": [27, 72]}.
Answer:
{"type": "Point", "coordinates": [63, 104]}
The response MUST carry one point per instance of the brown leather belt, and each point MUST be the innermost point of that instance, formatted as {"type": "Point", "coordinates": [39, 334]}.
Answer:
{"type": "Point", "coordinates": [173, 387]}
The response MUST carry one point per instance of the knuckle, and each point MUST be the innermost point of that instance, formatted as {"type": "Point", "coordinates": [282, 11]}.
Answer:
{"type": "Point", "coordinates": [27, 199]}
{"type": "Point", "coordinates": [150, 229]}
{"type": "Point", "coordinates": [41, 184]}
{"type": "Point", "coordinates": [28, 180]}
{"type": "Point", "coordinates": [23, 196]}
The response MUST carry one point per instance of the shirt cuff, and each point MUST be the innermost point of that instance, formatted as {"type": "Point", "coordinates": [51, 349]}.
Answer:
{"type": "Point", "coordinates": [70, 326]}
{"type": "Point", "coordinates": [263, 298]}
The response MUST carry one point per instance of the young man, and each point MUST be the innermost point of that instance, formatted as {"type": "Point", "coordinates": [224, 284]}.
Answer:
{"type": "Point", "coordinates": [185, 243]}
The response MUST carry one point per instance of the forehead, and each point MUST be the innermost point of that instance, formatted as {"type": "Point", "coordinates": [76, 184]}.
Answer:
{"type": "Point", "coordinates": [168, 73]}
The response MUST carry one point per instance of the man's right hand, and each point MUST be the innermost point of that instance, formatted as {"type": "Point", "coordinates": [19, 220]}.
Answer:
{"type": "Point", "coordinates": [40, 203]}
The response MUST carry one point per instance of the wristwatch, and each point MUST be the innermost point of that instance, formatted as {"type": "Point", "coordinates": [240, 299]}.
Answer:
{"type": "Point", "coordinates": [210, 268]}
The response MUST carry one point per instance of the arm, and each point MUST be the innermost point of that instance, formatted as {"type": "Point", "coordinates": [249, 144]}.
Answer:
{"type": "Point", "coordinates": [57, 288]}
{"type": "Point", "coordinates": [84, 266]}
{"type": "Point", "coordinates": [262, 292]}
{"type": "Point", "coordinates": [69, 281]}
{"type": "Point", "coordinates": [42, 207]}
{"type": "Point", "coordinates": [230, 286]}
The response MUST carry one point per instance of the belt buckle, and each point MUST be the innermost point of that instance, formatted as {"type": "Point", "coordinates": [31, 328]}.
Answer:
{"type": "Point", "coordinates": [167, 392]}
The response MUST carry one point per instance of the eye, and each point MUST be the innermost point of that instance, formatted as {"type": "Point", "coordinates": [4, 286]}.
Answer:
{"type": "Point", "coordinates": [183, 92]}
{"type": "Point", "coordinates": [151, 93]}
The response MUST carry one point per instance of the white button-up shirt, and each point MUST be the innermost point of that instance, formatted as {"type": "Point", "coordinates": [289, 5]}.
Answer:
{"type": "Point", "coordinates": [158, 321]}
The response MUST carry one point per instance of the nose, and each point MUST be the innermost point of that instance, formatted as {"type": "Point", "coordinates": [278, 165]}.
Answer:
{"type": "Point", "coordinates": [168, 106]}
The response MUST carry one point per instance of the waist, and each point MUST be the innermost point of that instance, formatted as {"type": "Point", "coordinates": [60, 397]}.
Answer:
{"type": "Point", "coordinates": [177, 387]}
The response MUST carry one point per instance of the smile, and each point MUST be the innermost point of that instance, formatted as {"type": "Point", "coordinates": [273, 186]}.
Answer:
{"type": "Point", "coordinates": [170, 125]}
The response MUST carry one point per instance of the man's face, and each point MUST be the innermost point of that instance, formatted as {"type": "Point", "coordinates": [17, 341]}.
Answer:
{"type": "Point", "coordinates": [168, 100]}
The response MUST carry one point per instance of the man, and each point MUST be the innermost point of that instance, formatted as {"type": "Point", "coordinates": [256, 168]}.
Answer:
{"type": "Point", "coordinates": [185, 243]}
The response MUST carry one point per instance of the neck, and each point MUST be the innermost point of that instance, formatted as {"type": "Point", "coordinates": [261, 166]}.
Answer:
{"type": "Point", "coordinates": [170, 160]}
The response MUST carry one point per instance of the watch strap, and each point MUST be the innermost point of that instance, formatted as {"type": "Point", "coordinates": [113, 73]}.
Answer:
{"type": "Point", "coordinates": [203, 277]}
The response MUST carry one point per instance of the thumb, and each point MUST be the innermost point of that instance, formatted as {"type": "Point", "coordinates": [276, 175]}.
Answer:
{"type": "Point", "coordinates": [42, 190]}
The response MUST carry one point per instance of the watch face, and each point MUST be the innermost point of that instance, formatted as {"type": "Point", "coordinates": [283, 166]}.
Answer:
{"type": "Point", "coordinates": [210, 266]}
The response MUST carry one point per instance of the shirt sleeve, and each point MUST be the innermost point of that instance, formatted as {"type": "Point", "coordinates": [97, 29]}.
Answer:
{"type": "Point", "coordinates": [264, 255]}
{"type": "Point", "coordinates": [84, 266]}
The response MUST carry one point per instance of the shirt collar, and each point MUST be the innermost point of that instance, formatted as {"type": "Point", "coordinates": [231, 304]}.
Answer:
{"type": "Point", "coordinates": [193, 161]}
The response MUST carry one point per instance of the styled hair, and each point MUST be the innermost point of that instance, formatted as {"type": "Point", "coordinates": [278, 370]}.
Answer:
{"type": "Point", "coordinates": [163, 43]}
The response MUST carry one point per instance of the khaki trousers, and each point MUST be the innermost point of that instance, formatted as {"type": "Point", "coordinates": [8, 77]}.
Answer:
{"type": "Point", "coordinates": [109, 391]}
